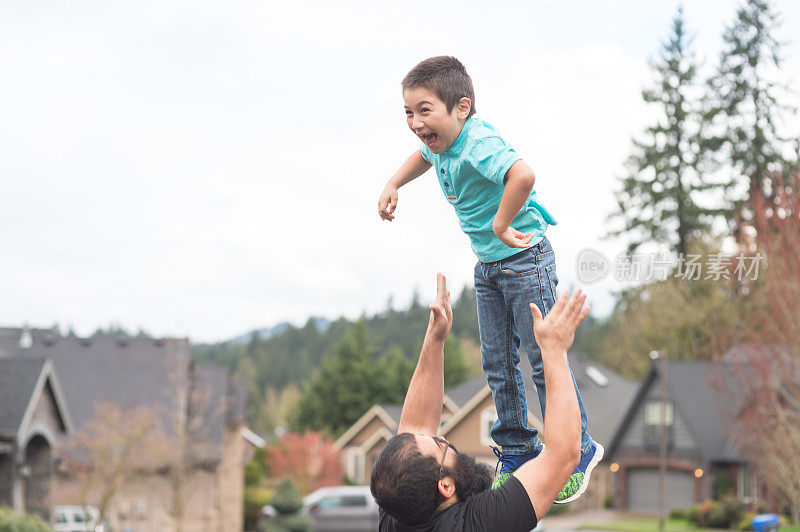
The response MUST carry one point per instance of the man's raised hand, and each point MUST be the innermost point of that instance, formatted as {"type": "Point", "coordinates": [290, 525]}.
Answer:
{"type": "Point", "coordinates": [441, 312]}
{"type": "Point", "coordinates": [556, 331]}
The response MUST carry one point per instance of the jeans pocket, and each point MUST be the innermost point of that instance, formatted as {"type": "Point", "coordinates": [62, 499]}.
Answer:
{"type": "Point", "coordinates": [552, 281]}
{"type": "Point", "coordinates": [520, 265]}
{"type": "Point", "coordinates": [508, 272]}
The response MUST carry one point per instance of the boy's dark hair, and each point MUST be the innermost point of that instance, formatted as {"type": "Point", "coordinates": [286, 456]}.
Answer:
{"type": "Point", "coordinates": [445, 76]}
{"type": "Point", "coordinates": [403, 481]}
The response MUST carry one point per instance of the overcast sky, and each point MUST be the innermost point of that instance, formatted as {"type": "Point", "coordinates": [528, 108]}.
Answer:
{"type": "Point", "coordinates": [205, 168]}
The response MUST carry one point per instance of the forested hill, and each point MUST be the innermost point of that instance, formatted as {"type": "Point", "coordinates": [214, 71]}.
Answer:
{"type": "Point", "coordinates": [277, 367]}
{"type": "Point", "coordinates": [291, 355]}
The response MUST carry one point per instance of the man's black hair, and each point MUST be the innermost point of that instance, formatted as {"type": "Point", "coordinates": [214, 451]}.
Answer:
{"type": "Point", "coordinates": [446, 77]}
{"type": "Point", "coordinates": [404, 481]}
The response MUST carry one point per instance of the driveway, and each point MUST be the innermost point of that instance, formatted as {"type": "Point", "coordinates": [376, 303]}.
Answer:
{"type": "Point", "coordinates": [571, 522]}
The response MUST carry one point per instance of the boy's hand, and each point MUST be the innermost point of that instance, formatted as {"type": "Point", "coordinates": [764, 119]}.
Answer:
{"type": "Point", "coordinates": [513, 238]}
{"type": "Point", "coordinates": [387, 202]}
{"type": "Point", "coordinates": [555, 332]}
{"type": "Point", "coordinates": [441, 319]}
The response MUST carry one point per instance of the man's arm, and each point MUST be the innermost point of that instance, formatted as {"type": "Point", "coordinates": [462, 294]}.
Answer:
{"type": "Point", "coordinates": [518, 186]}
{"type": "Point", "coordinates": [422, 409]}
{"type": "Point", "coordinates": [415, 166]}
{"type": "Point", "coordinates": [544, 476]}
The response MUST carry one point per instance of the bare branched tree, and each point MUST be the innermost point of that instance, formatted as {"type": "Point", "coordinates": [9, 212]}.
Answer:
{"type": "Point", "coordinates": [113, 448]}
{"type": "Point", "coordinates": [771, 413]}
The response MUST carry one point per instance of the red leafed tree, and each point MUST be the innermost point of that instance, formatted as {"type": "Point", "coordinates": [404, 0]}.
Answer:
{"type": "Point", "coordinates": [771, 414]}
{"type": "Point", "coordinates": [309, 459]}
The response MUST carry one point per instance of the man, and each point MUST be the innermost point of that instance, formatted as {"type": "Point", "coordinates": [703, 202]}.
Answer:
{"type": "Point", "coordinates": [421, 482]}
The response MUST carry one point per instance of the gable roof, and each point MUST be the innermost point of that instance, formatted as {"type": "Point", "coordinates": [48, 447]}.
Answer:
{"type": "Point", "coordinates": [130, 372]}
{"type": "Point", "coordinates": [465, 410]}
{"type": "Point", "coordinates": [605, 395]}
{"type": "Point", "coordinates": [702, 394]}
{"type": "Point", "coordinates": [22, 383]}
{"type": "Point", "coordinates": [393, 410]}
{"type": "Point", "coordinates": [125, 371]}
{"type": "Point", "coordinates": [461, 393]}
{"type": "Point", "coordinates": [377, 411]}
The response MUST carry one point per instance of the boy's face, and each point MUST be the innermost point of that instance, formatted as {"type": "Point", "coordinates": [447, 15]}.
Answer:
{"type": "Point", "coordinates": [429, 120]}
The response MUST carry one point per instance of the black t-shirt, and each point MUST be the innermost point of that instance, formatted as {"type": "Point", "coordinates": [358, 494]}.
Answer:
{"type": "Point", "coordinates": [506, 509]}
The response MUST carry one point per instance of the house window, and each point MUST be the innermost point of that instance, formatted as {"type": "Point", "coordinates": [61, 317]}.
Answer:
{"type": "Point", "coordinates": [748, 483]}
{"type": "Point", "coordinates": [488, 417]}
{"type": "Point", "coordinates": [652, 420]}
{"type": "Point", "coordinates": [355, 465]}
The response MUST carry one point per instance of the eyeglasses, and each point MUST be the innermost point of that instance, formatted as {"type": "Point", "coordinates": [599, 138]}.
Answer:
{"type": "Point", "coordinates": [447, 445]}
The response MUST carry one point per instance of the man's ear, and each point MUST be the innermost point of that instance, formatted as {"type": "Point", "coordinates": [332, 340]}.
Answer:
{"type": "Point", "coordinates": [463, 108]}
{"type": "Point", "coordinates": [446, 487]}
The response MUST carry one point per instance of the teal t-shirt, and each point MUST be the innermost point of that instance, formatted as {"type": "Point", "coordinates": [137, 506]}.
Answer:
{"type": "Point", "coordinates": [471, 174]}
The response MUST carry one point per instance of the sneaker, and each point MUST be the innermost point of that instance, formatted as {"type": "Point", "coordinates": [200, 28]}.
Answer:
{"type": "Point", "coordinates": [510, 464]}
{"type": "Point", "coordinates": [579, 480]}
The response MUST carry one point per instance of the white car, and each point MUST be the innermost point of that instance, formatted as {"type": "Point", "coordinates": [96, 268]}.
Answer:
{"type": "Point", "coordinates": [77, 519]}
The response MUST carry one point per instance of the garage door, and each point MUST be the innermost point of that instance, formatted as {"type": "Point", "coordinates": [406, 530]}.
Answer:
{"type": "Point", "coordinates": [643, 490]}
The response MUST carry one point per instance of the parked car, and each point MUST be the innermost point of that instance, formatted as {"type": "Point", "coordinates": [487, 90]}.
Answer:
{"type": "Point", "coordinates": [337, 508]}
{"type": "Point", "coordinates": [78, 519]}
{"type": "Point", "coordinates": [341, 508]}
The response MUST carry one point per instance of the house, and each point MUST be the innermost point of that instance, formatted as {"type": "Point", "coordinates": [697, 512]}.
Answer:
{"type": "Point", "coordinates": [469, 413]}
{"type": "Point", "coordinates": [33, 419]}
{"type": "Point", "coordinates": [160, 375]}
{"type": "Point", "coordinates": [362, 442]}
{"type": "Point", "coordinates": [701, 435]}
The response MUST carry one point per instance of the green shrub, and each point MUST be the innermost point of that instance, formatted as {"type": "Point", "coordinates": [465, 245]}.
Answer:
{"type": "Point", "coordinates": [287, 502]}
{"type": "Point", "coordinates": [678, 513]}
{"type": "Point", "coordinates": [693, 514]}
{"type": "Point", "coordinates": [733, 510]}
{"type": "Point", "coordinates": [703, 515]}
{"type": "Point", "coordinates": [713, 514]}
{"type": "Point", "coordinates": [608, 501]}
{"type": "Point", "coordinates": [255, 498]}
{"type": "Point", "coordinates": [287, 523]}
{"type": "Point", "coordinates": [746, 522]}
{"type": "Point", "coordinates": [716, 517]}
{"type": "Point", "coordinates": [287, 499]}
{"type": "Point", "coordinates": [10, 521]}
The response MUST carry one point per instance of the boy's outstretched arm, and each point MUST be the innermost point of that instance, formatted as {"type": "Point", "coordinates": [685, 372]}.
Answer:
{"type": "Point", "coordinates": [422, 409]}
{"type": "Point", "coordinates": [414, 167]}
{"type": "Point", "coordinates": [518, 186]}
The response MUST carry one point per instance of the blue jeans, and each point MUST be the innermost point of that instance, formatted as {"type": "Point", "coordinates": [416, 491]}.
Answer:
{"type": "Point", "coordinates": [504, 290]}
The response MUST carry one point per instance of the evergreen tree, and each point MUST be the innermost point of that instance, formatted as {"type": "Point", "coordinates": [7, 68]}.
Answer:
{"type": "Point", "coordinates": [465, 315]}
{"type": "Point", "coordinates": [660, 200]}
{"type": "Point", "coordinates": [395, 370]}
{"type": "Point", "coordinates": [347, 384]}
{"type": "Point", "coordinates": [455, 363]}
{"type": "Point", "coordinates": [747, 106]}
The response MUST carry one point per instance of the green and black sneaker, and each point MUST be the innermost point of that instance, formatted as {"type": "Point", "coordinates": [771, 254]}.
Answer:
{"type": "Point", "coordinates": [579, 480]}
{"type": "Point", "coordinates": [510, 464]}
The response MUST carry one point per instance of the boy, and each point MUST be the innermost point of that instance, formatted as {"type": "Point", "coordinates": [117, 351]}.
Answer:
{"type": "Point", "coordinates": [491, 189]}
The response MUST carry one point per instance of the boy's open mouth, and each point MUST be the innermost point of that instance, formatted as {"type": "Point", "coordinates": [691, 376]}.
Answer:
{"type": "Point", "coordinates": [429, 138]}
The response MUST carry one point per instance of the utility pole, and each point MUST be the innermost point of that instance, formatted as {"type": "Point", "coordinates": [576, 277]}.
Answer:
{"type": "Point", "coordinates": [662, 435]}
